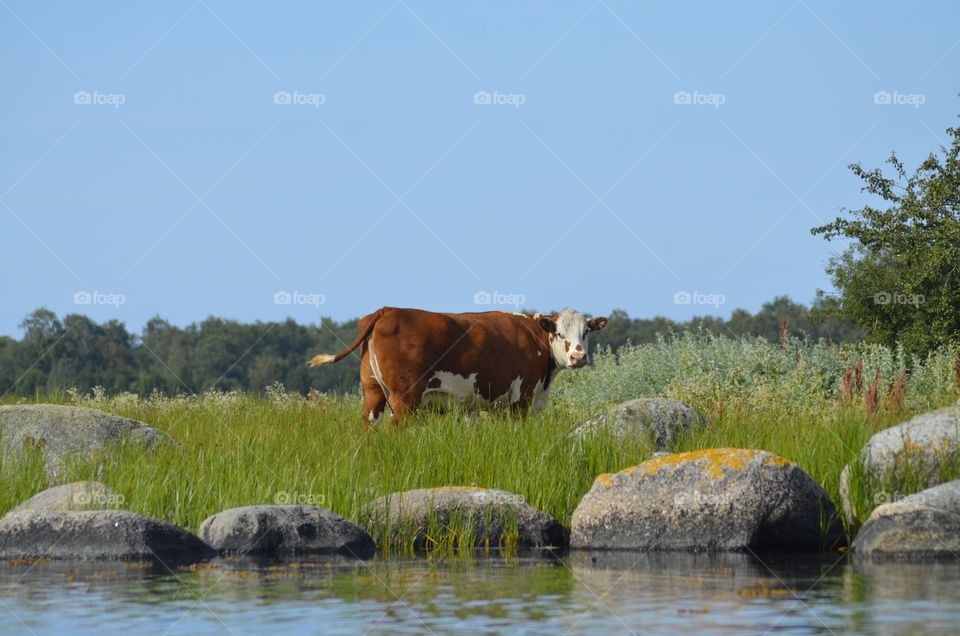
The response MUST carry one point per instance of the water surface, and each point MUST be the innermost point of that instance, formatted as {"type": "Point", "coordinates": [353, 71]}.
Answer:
{"type": "Point", "coordinates": [577, 594]}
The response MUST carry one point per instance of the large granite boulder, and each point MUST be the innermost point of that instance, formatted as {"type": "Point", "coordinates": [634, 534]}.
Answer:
{"type": "Point", "coordinates": [925, 525]}
{"type": "Point", "coordinates": [62, 432]}
{"type": "Point", "coordinates": [97, 534]}
{"type": "Point", "coordinates": [659, 420]}
{"type": "Point", "coordinates": [489, 515]}
{"type": "Point", "coordinates": [78, 495]}
{"type": "Point", "coordinates": [709, 500]}
{"type": "Point", "coordinates": [285, 529]}
{"type": "Point", "coordinates": [919, 447]}
{"type": "Point", "coordinates": [903, 459]}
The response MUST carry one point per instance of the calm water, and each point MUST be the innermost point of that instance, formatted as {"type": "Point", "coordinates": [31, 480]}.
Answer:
{"type": "Point", "coordinates": [581, 593]}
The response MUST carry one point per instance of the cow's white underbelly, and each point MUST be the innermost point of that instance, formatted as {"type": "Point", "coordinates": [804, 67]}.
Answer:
{"type": "Point", "coordinates": [540, 395]}
{"type": "Point", "coordinates": [461, 390]}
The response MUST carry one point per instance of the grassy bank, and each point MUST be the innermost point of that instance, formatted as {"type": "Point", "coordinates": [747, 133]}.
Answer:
{"type": "Point", "coordinates": [805, 402]}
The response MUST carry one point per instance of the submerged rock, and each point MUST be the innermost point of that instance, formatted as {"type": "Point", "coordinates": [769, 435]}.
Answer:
{"type": "Point", "coordinates": [276, 529]}
{"type": "Point", "coordinates": [488, 513]}
{"type": "Point", "coordinates": [616, 576]}
{"type": "Point", "coordinates": [925, 525]}
{"type": "Point", "coordinates": [97, 534]}
{"type": "Point", "coordinates": [63, 432]}
{"type": "Point", "coordinates": [79, 495]}
{"type": "Point", "coordinates": [708, 500]}
{"type": "Point", "coordinates": [658, 419]}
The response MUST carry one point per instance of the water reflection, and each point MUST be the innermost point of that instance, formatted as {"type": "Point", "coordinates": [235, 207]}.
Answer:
{"type": "Point", "coordinates": [580, 593]}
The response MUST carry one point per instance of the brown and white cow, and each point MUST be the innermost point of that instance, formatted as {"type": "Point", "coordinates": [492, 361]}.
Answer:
{"type": "Point", "coordinates": [411, 357]}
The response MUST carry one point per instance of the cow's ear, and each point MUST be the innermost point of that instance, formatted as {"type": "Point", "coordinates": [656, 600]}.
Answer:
{"type": "Point", "coordinates": [596, 324]}
{"type": "Point", "coordinates": [547, 324]}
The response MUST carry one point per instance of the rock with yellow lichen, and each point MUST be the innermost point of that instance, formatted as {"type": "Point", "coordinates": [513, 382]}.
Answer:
{"type": "Point", "coordinates": [709, 500]}
{"type": "Point", "coordinates": [922, 526]}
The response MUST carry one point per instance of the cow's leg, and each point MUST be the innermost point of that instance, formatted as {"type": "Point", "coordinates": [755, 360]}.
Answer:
{"type": "Point", "coordinates": [374, 403]}
{"type": "Point", "coordinates": [401, 404]}
{"type": "Point", "coordinates": [374, 400]}
{"type": "Point", "coordinates": [398, 374]}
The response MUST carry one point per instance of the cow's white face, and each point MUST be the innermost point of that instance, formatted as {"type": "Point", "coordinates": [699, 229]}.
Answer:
{"type": "Point", "coordinates": [568, 333]}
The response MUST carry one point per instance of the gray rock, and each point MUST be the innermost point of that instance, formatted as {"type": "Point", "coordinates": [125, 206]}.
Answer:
{"type": "Point", "coordinates": [79, 495]}
{"type": "Point", "coordinates": [287, 529]}
{"type": "Point", "coordinates": [846, 497]}
{"type": "Point", "coordinates": [925, 525]}
{"type": "Point", "coordinates": [895, 460]}
{"type": "Point", "coordinates": [709, 500]}
{"type": "Point", "coordinates": [491, 514]}
{"type": "Point", "coordinates": [658, 419]}
{"type": "Point", "coordinates": [97, 534]}
{"type": "Point", "coordinates": [920, 446]}
{"type": "Point", "coordinates": [61, 432]}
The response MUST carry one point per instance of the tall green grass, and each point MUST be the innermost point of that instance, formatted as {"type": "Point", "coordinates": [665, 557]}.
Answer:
{"type": "Point", "coordinates": [236, 449]}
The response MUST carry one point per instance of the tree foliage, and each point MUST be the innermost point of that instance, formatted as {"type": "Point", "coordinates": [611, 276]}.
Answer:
{"type": "Point", "coordinates": [214, 354]}
{"type": "Point", "coordinates": [899, 280]}
{"type": "Point", "coordinates": [796, 318]}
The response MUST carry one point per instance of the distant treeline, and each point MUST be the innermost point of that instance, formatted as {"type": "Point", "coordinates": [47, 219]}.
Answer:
{"type": "Point", "coordinates": [76, 352]}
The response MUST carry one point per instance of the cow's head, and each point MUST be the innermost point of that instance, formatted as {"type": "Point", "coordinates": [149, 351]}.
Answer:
{"type": "Point", "coordinates": [567, 333]}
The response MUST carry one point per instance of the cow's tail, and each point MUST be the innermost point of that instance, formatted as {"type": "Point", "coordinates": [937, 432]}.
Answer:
{"type": "Point", "coordinates": [364, 329]}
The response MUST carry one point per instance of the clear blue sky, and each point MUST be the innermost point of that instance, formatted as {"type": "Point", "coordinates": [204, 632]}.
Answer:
{"type": "Point", "coordinates": [146, 157]}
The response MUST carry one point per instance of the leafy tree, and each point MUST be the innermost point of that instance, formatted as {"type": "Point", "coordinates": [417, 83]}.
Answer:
{"type": "Point", "coordinates": [798, 318]}
{"type": "Point", "coordinates": [8, 374]}
{"type": "Point", "coordinates": [115, 348]}
{"type": "Point", "coordinates": [219, 354]}
{"type": "Point", "coordinates": [899, 279]}
{"type": "Point", "coordinates": [31, 359]}
{"type": "Point", "coordinates": [163, 358]}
